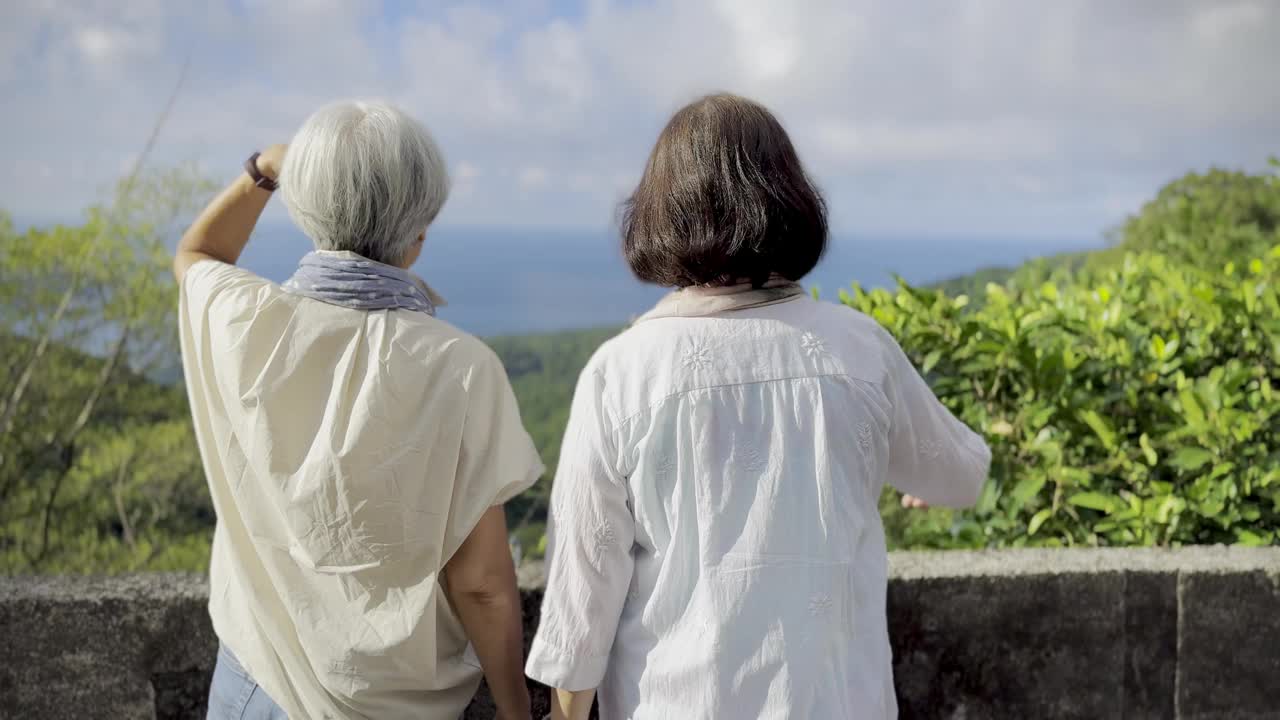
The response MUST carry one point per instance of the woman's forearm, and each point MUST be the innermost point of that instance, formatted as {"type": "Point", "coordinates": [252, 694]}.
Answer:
{"type": "Point", "coordinates": [222, 230]}
{"type": "Point", "coordinates": [480, 580]}
{"type": "Point", "coordinates": [493, 623]}
{"type": "Point", "coordinates": [571, 704]}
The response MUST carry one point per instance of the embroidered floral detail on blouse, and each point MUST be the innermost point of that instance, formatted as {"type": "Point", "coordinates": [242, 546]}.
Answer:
{"type": "Point", "coordinates": [930, 449]}
{"type": "Point", "coordinates": [666, 467]}
{"type": "Point", "coordinates": [604, 539]}
{"type": "Point", "coordinates": [819, 604]}
{"type": "Point", "coordinates": [752, 461]}
{"type": "Point", "coordinates": [864, 437]}
{"type": "Point", "coordinates": [813, 345]}
{"type": "Point", "coordinates": [696, 358]}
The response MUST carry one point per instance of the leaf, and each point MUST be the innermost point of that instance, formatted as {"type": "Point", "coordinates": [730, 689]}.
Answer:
{"type": "Point", "coordinates": [1038, 519]}
{"type": "Point", "coordinates": [931, 360]}
{"type": "Point", "coordinates": [1069, 476]}
{"type": "Point", "coordinates": [1100, 428]}
{"type": "Point", "coordinates": [1157, 347]}
{"type": "Point", "coordinates": [1249, 538]}
{"type": "Point", "coordinates": [987, 498]}
{"type": "Point", "coordinates": [1027, 488]}
{"type": "Point", "coordinates": [1190, 458]}
{"type": "Point", "coordinates": [1001, 428]}
{"type": "Point", "coordinates": [1094, 501]}
{"type": "Point", "coordinates": [1191, 408]}
{"type": "Point", "coordinates": [1147, 451]}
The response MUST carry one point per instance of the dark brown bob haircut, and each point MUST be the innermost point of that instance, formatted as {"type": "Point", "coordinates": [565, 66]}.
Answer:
{"type": "Point", "coordinates": [723, 199]}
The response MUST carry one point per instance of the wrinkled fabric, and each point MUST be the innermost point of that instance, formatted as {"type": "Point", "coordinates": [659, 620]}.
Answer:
{"type": "Point", "coordinates": [353, 281]}
{"type": "Point", "coordinates": [348, 455]}
{"type": "Point", "coordinates": [714, 548]}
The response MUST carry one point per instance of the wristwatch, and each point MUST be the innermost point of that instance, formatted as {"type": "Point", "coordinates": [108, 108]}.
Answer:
{"type": "Point", "coordinates": [262, 181]}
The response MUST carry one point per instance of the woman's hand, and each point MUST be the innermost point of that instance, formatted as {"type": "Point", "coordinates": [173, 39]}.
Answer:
{"type": "Point", "coordinates": [271, 160]}
{"type": "Point", "coordinates": [222, 230]}
{"type": "Point", "coordinates": [911, 501]}
{"type": "Point", "coordinates": [571, 705]}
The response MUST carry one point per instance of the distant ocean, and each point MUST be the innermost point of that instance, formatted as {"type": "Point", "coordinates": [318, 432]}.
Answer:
{"type": "Point", "coordinates": [501, 282]}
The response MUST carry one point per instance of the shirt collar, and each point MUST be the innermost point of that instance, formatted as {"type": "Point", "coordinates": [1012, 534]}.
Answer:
{"type": "Point", "coordinates": [703, 301]}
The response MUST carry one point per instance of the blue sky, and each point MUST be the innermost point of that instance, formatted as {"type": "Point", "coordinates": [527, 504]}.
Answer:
{"type": "Point", "coordinates": [928, 119]}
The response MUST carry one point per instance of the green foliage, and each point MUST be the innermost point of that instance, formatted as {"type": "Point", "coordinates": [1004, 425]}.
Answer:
{"type": "Point", "coordinates": [543, 371]}
{"type": "Point", "coordinates": [1135, 404]}
{"type": "Point", "coordinates": [1215, 216]}
{"type": "Point", "coordinates": [98, 467]}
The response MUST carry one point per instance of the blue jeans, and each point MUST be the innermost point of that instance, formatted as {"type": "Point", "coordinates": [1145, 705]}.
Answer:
{"type": "Point", "coordinates": [234, 695]}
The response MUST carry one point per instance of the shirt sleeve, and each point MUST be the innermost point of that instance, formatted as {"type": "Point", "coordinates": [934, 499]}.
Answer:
{"type": "Point", "coordinates": [932, 455]}
{"type": "Point", "coordinates": [590, 535]}
{"type": "Point", "coordinates": [498, 459]}
{"type": "Point", "coordinates": [213, 295]}
{"type": "Point", "coordinates": [207, 280]}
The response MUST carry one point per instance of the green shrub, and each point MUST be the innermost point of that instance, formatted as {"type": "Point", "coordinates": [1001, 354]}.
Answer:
{"type": "Point", "coordinates": [1213, 216]}
{"type": "Point", "coordinates": [1134, 404]}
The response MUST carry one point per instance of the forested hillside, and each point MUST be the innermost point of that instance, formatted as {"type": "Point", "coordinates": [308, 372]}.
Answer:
{"type": "Point", "coordinates": [543, 370]}
{"type": "Point", "coordinates": [1129, 394]}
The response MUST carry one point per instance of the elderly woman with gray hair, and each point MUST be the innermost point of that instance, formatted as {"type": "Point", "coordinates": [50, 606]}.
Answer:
{"type": "Point", "coordinates": [358, 450]}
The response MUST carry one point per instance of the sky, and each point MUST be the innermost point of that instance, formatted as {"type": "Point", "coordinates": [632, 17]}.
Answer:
{"type": "Point", "coordinates": [944, 118]}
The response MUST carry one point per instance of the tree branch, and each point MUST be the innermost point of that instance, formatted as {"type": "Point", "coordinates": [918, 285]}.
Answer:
{"type": "Point", "coordinates": [67, 443]}
{"type": "Point", "coordinates": [126, 526]}
{"type": "Point", "coordinates": [9, 405]}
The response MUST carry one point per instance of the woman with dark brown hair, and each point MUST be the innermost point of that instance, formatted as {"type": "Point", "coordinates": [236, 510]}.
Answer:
{"type": "Point", "coordinates": [715, 550]}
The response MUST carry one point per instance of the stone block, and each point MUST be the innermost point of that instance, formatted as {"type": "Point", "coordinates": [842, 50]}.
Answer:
{"type": "Point", "coordinates": [1150, 645]}
{"type": "Point", "coordinates": [1229, 645]}
{"type": "Point", "coordinates": [103, 647]}
{"type": "Point", "coordinates": [1018, 647]}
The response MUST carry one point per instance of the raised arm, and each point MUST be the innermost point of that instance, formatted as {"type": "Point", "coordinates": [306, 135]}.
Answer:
{"type": "Point", "coordinates": [480, 580]}
{"type": "Point", "coordinates": [222, 230]}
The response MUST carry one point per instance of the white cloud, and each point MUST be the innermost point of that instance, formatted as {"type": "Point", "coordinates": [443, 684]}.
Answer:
{"type": "Point", "coordinates": [937, 117]}
{"type": "Point", "coordinates": [532, 178]}
{"type": "Point", "coordinates": [932, 142]}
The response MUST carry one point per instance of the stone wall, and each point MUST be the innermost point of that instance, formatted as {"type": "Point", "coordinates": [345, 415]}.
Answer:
{"type": "Point", "coordinates": [1190, 633]}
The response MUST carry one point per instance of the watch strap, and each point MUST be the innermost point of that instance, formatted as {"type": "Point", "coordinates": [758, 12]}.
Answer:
{"type": "Point", "coordinates": [262, 181]}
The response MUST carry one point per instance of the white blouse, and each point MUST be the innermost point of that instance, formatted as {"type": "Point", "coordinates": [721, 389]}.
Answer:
{"type": "Point", "coordinates": [715, 549]}
{"type": "Point", "coordinates": [349, 454]}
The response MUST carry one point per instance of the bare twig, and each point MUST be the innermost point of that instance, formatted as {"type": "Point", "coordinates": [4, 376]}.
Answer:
{"type": "Point", "coordinates": [66, 445]}
{"type": "Point", "coordinates": [117, 490]}
{"type": "Point", "coordinates": [10, 403]}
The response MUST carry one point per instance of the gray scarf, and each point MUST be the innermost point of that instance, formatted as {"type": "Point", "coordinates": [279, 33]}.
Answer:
{"type": "Point", "coordinates": [353, 281]}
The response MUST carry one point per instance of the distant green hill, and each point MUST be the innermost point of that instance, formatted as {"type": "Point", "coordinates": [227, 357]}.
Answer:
{"type": "Point", "coordinates": [544, 368]}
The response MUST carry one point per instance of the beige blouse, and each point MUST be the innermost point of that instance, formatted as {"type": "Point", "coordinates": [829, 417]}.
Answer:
{"type": "Point", "coordinates": [349, 454]}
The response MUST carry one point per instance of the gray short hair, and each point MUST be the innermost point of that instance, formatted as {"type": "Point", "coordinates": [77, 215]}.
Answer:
{"type": "Point", "coordinates": [364, 177]}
